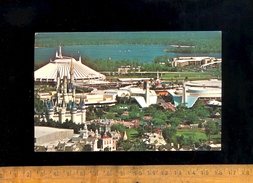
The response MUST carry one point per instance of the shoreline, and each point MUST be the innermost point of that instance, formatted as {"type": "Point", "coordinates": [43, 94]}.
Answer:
{"type": "Point", "coordinates": [178, 45]}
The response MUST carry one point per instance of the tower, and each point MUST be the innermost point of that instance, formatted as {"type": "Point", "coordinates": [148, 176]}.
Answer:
{"type": "Point", "coordinates": [62, 112]}
{"type": "Point", "coordinates": [58, 87]}
{"type": "Point", "coordinates": [184, 94]}
{"type": "Point", "coordinates": [83, 110]}
{"type": "Point", "coordinates": [65, 88]}
{"type": "Point", "coordinates": [49, 108]}
{"type": "Point", "coordinates": [147, 94]}
{"type": "Point", "coordinates": [60, 54]}
{"type": "Point", "coordinates": [85, 131]}
{"type": "Point", "coordinates": [73, 94]}
{"type": "Point", "coordinates": [71, 72]}
{"type": "Point", "coordinates": [73, 112]}
{"type": "Point", "coordinates": [95, 146]}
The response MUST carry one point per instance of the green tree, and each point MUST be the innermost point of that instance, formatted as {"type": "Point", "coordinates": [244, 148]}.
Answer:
{"type": "Point", "coordinates": [110, 115]}
{"type": "Point", "coordinates": [169, 134]}
{"type": "Point", "coordinates": [160, 115]}
{"type": "Point", "coordinates": [181, 112]}
{"type": "Point", "coordinates": [134, 114]}
{"type": "Point", "coordinates": [138, 145]}
{"type": "Point", "coordinates": [210, 129]}
{"type": "Point", "coordinates": [158, 121]}
{"type": "Point", "coordinates": [99, 112]}
{"type": "Point", "coordinates": [200, 125]}
{"type": "Point", "coordinates": [38, 105]}
{"type": "Point", "coordinates": [175, 121]}
{"type": "Point", "coordinates": [141, 130]}
{"type": "Point", "coordinates": [93, 127]}
{"type": "Point", "coordinates": [168, 113]}
{"type": "Point", "coordinates": [126, 145]}
{"type": "Point", "coordinates": [134, 107]}
{"type": "Point", "coordinates": [192, 117]}
{"type": "Point", "coordinates": [151, 110]}
{"type": "Point", "coordinates": [190, 140]}
{"type": "Point", "coordinates": [118, 127]}
{"type": "Point", "coordinates": [181, 139]}
{"type": "Point", "coordinates": [200, 110]}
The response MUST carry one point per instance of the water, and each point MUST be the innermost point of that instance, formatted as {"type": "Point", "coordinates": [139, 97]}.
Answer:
{"type": "Point", "coordinates": [144, 53]}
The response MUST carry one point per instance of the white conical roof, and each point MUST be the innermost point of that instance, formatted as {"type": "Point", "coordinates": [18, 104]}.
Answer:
{"type": "Point", "coordinates": [63, 64]}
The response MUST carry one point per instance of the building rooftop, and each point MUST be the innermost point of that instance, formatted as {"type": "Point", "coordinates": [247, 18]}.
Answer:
{"type": "Point", "coordinates": [63, 65]}
{"type": "Point", "coordinates": [40, 131]}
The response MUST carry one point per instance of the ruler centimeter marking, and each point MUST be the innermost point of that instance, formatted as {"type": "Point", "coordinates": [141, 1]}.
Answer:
{"type": "Point", "coordinates": [132, 174]}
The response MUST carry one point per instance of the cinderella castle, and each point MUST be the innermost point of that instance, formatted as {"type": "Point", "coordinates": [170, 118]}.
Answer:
{"type": "Point", "coordinates": [65, 71]}
{"type": "Point", "coordinates": [63, 105]}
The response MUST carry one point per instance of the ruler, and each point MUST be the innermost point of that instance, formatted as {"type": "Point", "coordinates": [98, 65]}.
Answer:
{"type": "Point", "coordinates": [128, 174]}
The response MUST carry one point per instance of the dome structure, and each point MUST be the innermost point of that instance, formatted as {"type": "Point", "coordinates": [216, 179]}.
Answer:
{"type": "Point", "coordinates": [63, 66]}
{"type": "Point", "coordinates": [198, 90]}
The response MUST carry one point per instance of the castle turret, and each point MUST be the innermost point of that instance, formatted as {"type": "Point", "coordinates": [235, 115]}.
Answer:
{"type": "Point", "coordinates": [83, 110]}
{"type": "Point", "coordinates": [73, 94]}
{"type": "Point", "coordinates": [95, 143]}
{"type": "Point", "coordinates": [73, 112]}
{"type": "Point", "coordinates": [85, 131]}
{"type": "Point", "coordinates": [65, 95]}
{"type": "Point", "coordinates": [62, 112]}
{"type": "Point", "coordinates": [71, 72]}
{"type": "Point", "coordinates": [49, 108]}
{"type": "Point", "coordinates": [58, 80]}
{"type": "Point", "coordinates": [58, 87]}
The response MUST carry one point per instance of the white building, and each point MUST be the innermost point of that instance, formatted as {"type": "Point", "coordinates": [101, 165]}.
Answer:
{"type": "Point", "coordinates": [192, 91]}
{"type": "Point", "coordinates": [63, 64]}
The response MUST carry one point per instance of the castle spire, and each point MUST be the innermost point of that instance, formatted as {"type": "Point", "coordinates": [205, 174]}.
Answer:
{"type": "Point", "coordinates": [71, 71]}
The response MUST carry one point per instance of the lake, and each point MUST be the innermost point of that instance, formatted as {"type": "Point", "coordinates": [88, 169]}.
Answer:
{"type": "Point", "coordinates": [144, 53]}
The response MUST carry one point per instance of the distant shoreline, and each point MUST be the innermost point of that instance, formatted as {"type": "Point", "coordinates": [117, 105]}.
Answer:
{"type": "Point", "coordinates": [178, 45]}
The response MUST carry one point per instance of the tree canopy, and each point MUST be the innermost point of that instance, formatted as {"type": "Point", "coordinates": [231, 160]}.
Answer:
{"type": "Point", "coordinates": [118, 127]}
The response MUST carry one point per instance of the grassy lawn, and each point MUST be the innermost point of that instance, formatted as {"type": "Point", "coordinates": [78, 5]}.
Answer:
{"type": "Point", "coordinates": [130, 133]}
{"type": "Point", "coordinates": [190, 75]}
{"type": "Point", "coordinates": [197, 135]}
{"type": "Point", "coordinates": [179, 76]}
